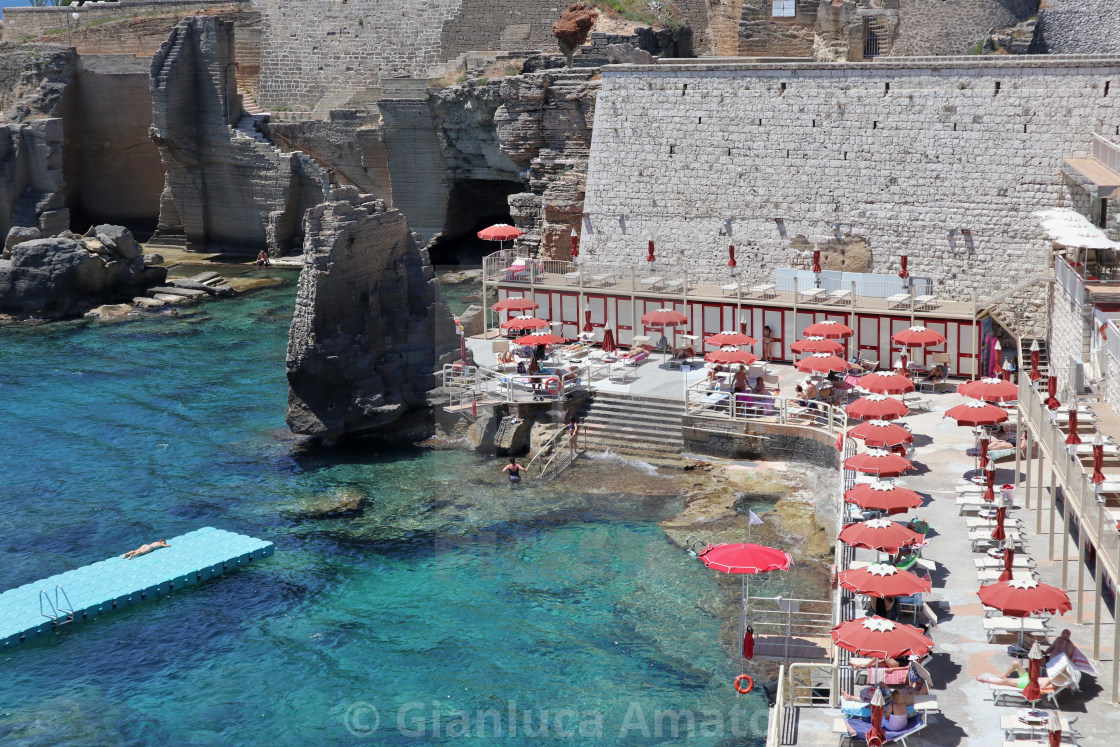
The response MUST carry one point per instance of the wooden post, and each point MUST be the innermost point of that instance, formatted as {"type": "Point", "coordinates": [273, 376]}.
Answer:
{"type": "Point", "coordinates": [1018, 438]}
{"type": "Point", "coordinates": [1053, 507]}
{"type": "Point", "coordinates": [1080, 555]}
{"type": "Point", "coordinates": [1038, 495]}
{"type": "Point", "coordinates": [1065, 542]}
{"type": "Point", "coordinates": [1027, 472]}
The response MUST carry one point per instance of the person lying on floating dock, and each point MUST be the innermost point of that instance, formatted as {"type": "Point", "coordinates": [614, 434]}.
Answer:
{"type": "Point", "coordinates": [145, 549]}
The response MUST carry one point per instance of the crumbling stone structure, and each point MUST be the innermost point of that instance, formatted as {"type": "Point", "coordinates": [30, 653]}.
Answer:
{"type": "Point", "coordinates": [370, 327]}
{"type": "Point", "coordinates": [225, 187]}
{"type": "Point", "coordinates": [1079, 27]}
{"type": "Point", "coordinates": [943, 162]}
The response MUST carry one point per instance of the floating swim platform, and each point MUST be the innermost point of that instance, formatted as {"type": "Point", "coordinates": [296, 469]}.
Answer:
{"type": "Point", "coordinates": [39, 608]}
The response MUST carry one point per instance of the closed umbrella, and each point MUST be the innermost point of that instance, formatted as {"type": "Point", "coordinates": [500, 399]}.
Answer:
{"type": "Point", "coordinates": [1054, 727]}
{"type": "Point", "coordinates": [821, 363]}
{"type": "Point", "coordinates": [1025, 597]}
{"type": "Point", "coordinates": [1052, 394]}
{"type": "Point", "coordinates": [990, 390]}
{"type": "Point", "coordinates": [1098, 459]}
{"type": "Point", "coordinates": [985, 440]}
{"type": "Point", "coordinates": [609, 344]}
{"type": "Point", "coordinates": [881, 434]}
{"type": "Point", "coordinates": [877, 407]}
{"type": "Point", "coordinates": [990, 481]}
{"type": "Point", "coordinates": [918, 337]}
{"type": "Point", "coordinates": [731, 357]}
{"type": "Point", "coordinates": [976, 413]}
{"type": "Point", "coordinates": [833, 330]}
{"type": "Point", "coordinates": [881, 463]}
{"type": "Point", "coordinates": [817, 261]}
{"type": "Point", "coordinates": [886, 382]}
{"type": "Point", "coordinates": [817, 345]}
{"type": "Point", "coordinates": [879, 638]}
{"type": "Point", "coordinates": [882, 580]}
{"type": "Point", "coordinates": [587, 321]}
{"type": "Point", "coordinates": [1073, 439]}
{"type": "Point", "coordinates": [998, 534]}
{"type": "Point", "coordinates": [882, 535]}
{"type": "Point", "coordinates": [575, 245]}
{"type": "Point", "coordinates": [876, 735]}
{"type": "Point", "coordinates": [650, 257]}
{"type": "Point", "coordinates": [1032, 693]}
{"type": "Point", "coordinates": [882, 496]}
{"type": "Point", "coordinates": [1035, 374]}
{"type": "Point", "coordinates": [903, 273]}
{"type": "Point", "coordinates": [1008, 561]}
{"type": "Point", "coordinates": [721, 339]}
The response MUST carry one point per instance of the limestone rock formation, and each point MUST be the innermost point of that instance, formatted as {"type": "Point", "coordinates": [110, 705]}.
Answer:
{"type": "Point", "coordinates": [369, 328]}
{"type": "Point", "coordinates": [63, 276]}
{"type": "Point", "coordinates": [574, 27]}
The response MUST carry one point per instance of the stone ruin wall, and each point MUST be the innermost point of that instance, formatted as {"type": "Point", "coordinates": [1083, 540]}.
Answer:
{"type": "Point", "coordinates": [1079, 27]}
{"type": "Point", "coordinates": [953, 27]}
{"type": "Point", "coordinates": [30, 22]}
{"type": "Point", "coordinates": [831, 150]}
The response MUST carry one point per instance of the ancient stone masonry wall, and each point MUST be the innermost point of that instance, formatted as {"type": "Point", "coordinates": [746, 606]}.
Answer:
{"type": "Point", "coordinates": [370, 327]}
{"type": "Point", "coordinates": [1023, 310]}
{"type": "Point", "coordinates": [1079, 27]}
{"type": "Point", "coordinates": [26, 23]}
{"type": "Point", "coordinates": [769, 157]}
{"type": "Point", "coordinates": [224, 189]}
{"type": "Point", "coordinates": [1067, 336]}
{"type": "Point", "coordinates": [762, 35]}
{"type": "Point", "coordinates": [948, 27]}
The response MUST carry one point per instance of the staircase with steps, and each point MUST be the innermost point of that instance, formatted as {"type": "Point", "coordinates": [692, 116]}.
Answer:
{"type": "Point", "coordinates": [632, 425]}
{"type": "Point", "coordinates": [166, 59]}
{"type": "Point", "coordinates": [249, 104]}
{"type": "Point", "coordinates": [1043, 358]}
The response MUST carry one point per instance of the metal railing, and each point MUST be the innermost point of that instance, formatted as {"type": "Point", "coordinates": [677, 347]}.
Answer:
{"type": "Point", "coordinates": [1106, 152]}
{"type": "Point", "coordinates": [466, 384]}
{"type": "Point", "coordinates": [1068, 278]}
{"type": "Point", "coordinates": [774, 728]}
{"type": "Point", "coordinates": [726, 407]}
{"type": "Point", "coordinates": [811, 685]}
{"type": "Point", "coordinates": [558, 458]}
{"type": "Point", "coordinates": [788, 618]}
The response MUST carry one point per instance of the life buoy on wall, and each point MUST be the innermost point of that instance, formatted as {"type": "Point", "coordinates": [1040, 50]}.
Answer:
{"type": "Point", "coordinates": [552, 385]}
{"type": "Point", "coordinates": [738, 684]}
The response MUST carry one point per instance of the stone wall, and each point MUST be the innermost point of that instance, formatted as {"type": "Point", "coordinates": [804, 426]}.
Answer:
{"type": "Point", "coordinates": [27, 23]}
{"type": "Point", "coordinates": [1023, 310]}
{"type": "Point", "coordinates": [1079, 27]}
{"type": "Point", "coordinates": [762, 35]}
{"type": "Point", "coordinates": [951, 27]}
{"type": "Point", "coordinates": [31, 176]}
{"type": "Point", "coordinates": [224, 189]}
{"type": "Point", "coordinates": [119, 175]}
{"type": "Point", "coordinates": [895, 153]}
{"type": "Point", "coordinates": [369, 328]}
{"type": "Point", "coordinates": [1067, 338]}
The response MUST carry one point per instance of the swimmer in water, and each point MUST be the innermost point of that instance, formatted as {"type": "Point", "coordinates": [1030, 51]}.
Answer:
{"type": "Point", "coordinates": [514, 469]}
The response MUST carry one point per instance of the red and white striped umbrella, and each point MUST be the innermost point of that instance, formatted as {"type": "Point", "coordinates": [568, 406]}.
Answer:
{"type": "Point", "coordinates": [881, 434]}
{"type": "Point", "coordinates": [972, 414]}
{"type": "Point", "coordinates": [524, 322]}
{"type": "Point", "coordinates": [881, 463]}
{"type": "Point", "coordinates": [731, 357]}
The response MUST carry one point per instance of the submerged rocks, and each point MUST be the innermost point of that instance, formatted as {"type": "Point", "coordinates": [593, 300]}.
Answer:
{"type": "Point", "coordinates": [370, 328]}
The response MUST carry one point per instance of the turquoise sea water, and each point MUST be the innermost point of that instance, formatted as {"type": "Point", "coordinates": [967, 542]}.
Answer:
{"type": "Point", "coordinates": [462, 611]}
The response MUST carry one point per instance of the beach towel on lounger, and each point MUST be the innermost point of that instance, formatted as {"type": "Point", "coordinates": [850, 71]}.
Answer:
{"type": "Point", "coordinates": [862, 727]}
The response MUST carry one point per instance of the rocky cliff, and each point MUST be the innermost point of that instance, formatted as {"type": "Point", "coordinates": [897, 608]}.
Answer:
{"type": "Point", "coordinates": [369, 328]}
{"type": "Point", "coordinates": [533, 128]}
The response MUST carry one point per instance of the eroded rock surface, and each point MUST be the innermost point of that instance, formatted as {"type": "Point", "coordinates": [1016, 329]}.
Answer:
{"type": "Point", "coordinates": [369, 328]}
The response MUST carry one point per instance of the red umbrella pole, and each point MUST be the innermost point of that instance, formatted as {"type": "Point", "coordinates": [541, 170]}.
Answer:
{"type": "Point", "coordinates": [650, 257]}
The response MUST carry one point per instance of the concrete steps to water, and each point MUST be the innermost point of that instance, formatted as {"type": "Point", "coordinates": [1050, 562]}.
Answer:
{"type": "Point", "coordinates": [631, 425]}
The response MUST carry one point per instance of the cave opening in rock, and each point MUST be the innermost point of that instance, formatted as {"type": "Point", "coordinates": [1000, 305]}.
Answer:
{"type": "Point", "coordinates": [473, 204]}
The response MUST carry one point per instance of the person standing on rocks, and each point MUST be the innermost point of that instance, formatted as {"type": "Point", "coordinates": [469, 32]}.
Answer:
{"type": "Point", "coordinates": [573, 435]}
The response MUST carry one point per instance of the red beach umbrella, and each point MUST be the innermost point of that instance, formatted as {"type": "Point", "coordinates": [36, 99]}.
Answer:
{"type": "Point", "coordinates": [500, 232]}
{"type": "Point", "coordinates": [575, 245]}
{"type": "Point", "coordinates": [918, 337]}
{"type": "Point", "coordinates": [882, 580]}
{"type": "Point", "coordinates": [880, 638]}
{"type": "Point", "coordinates": [881, 434]}
{"type": "Point", "coordinates": [540, 338]}
{"type": "Point", "coordinates": [524, 322]}
{"type": "Point", "coordinates": [877, 407]}
{"type": "Point", "coordinates": [1032, 693]}
{"type": "Point", "coordinates": [990, 482]}
{"type": "Point", "coordinates": [831, 329]}
{"type": "Point", "coordinates": [663, 317]}
{"type": "Point", "coordinates": [977, 413]}
{"type": "Point", "coordinates": [985, 440]}
{"type": "Point", "coordinates": [1073, 439]}
{"type": "Point", "coordinates": [1008, 562]}
{"type": "Point", "coordinates": [821, 363]}
{"type": "Point", "coordinates": [904, 273]}
{"type": "Point", "coordinates": [817, 261]}
{"type": "Point", "coordinates": [587, 321]}
{"type": "Point", "coordinates": [609, 345]}
{"type": "Point", "coordinates": [990, 390]}
{"type": "Point", "coordinates": [1035, 373]}
{"type": "Point", "coordinates": [514, 303]}
{"type": "Point", "coordinates": [1098, 459]}
{"type": "Point", "coordinates": [1052, 394]}
{"type": "Point", "coordinates": [1025, 597]}
{"type": "Point", "coordinates": [886, 382]}
{"type": "Point", "coordinates": [881, 463]}
{"type": "Point", "coordinates": [729, 338]}
{"type": "Point", "coordinates": [817, 345]}
{"type": "Point", "coordinates": [876, 736]}
{"type": "Point", "coordinates": [883, 535]}
{"type": "Point", "coordinates": [1001, 515]}
{"type": "Point", "coordinates": [649, 257]}
{"type": "Point", "coordinates": [881, 496]}
{"type": "Point", "coordinates": [731, 357]}
{"type": "Point", "coordinates": [743, 557]}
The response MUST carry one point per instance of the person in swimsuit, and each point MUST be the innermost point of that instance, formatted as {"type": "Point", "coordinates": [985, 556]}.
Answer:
{"type": "Point", "coordinates": [144, 549]}
{"type": "Point", "coordinates": [514, 469]}
{"type": "Point", "coordinates": [1017, 676]}
{"type": "Point", "coordinates": [767, 343]}
{"type": "Point", "coordinates": [1061, 645]}
{"type": "Point", "coordinates": [895, 716]}
{"type": "Point", "coordinates": [262, 259]}
{"type": "Point", "coordinates": [573, 435]}
{"type": "Point", "coordinates": [739, 382]}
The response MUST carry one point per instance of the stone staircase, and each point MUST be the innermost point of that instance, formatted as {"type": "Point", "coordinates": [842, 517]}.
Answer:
{"type": "Point", "coordinates": [167, 59]}
{"type": "Point", "coordinates": [632, 425]}
{"type": "Point", "coordinates": [249, 104]}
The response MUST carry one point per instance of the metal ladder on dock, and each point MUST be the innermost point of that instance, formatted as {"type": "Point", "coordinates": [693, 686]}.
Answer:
{"type": "Point", "coordinates": [58, 612]}
{"type": "Point", "coordinates": [558, 457]}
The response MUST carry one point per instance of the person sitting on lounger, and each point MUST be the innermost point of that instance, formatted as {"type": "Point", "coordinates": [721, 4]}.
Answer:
{"type": "Point", "coordinates": [144, 549]}
{"type": "Point", "coordinates": [739, 382]}
{"type": "Point", "coordinates": [1016, 676]}
{"type": "Point", "coordinates": [1061, 645]}
{"type": "Point", "coordinates": [936, 374]}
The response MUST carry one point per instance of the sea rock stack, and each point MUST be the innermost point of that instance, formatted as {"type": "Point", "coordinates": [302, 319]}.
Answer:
{"type": "Point", "coordinates": [369, 328]}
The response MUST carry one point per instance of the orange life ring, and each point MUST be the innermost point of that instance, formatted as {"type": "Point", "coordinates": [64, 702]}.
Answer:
{"type": "Point", "coordinates": [552, 385]}
{"type": "Point", "coordinates": [749, 687]}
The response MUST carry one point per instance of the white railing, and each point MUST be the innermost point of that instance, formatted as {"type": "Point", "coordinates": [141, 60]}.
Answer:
{"type": "Point", "coordinates": [1068, 278]}
{"type": "Point", "coordinates": [466, 384]}
{"type": "Point", "coordinates": [725, 407]}
{"type": "Point", "coordinates": [1106, 152]}
{"type": "Point", "coordinates": [777, 712]}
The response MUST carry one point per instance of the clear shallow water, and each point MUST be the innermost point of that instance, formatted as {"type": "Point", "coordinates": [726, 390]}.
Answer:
{"type": "Point", "coordinates": [452, 594]}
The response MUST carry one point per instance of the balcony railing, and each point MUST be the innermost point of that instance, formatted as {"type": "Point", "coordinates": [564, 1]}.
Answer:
{"type": "Point", "coordinates": [724, 408]}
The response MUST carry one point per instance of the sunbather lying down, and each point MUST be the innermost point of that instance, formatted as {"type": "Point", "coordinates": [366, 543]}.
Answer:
{"type": "Point", "coordinates": [1016, 676]}
{"type": "Point", "coordinates": [144, 549]}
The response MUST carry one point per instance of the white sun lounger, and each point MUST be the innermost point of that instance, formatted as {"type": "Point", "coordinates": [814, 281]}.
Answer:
{"type": "Point", "coordinates": [1004, 625]}
{"type": "Point", "coordinates": [988, 575]}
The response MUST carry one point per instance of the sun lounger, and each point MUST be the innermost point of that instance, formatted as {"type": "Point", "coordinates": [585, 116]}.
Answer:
{"type": "Point", "coordinates": [571, 278]}
{"type": "Point", "coordinates": [1004, 625]}
{"type": "Point", "coordinates": [840, 296]}
{"type": "Point", "coordinates": [915, 402]}
{"type": "Point", "coordinates": [731, 289]}
{"type": "Point", "coordinates": [988, 575]}
{"type": "Point", "coordinates": [980, 522]}
{"type": "Point", "coordinates": [812, 295]}
{"type": "Point", "coordinates": [985, 562]}
{"type": "Point", "coordinates": [765, 290]}
{"type": "Point", "coordinates": [674, 286]}
{"type": "Point", "coordinates": [925, 302]}
{"type": "Point", "coordinates": [898, 301]}
{"type": "Point", "coordinates": [624, 375]}
{"type": "Point", "coordinates": [1013, 696]}
{"type": "Point", "coordinates": [1013, 727]}
{"type": "Point", "coordinates": [926, 704]}
{"type": "Point", "coordinates": [914, 725]}
{"type": "Point", "coordinates": [652, 284]}
{"type": "Point", "coordinates": [603, 280]}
